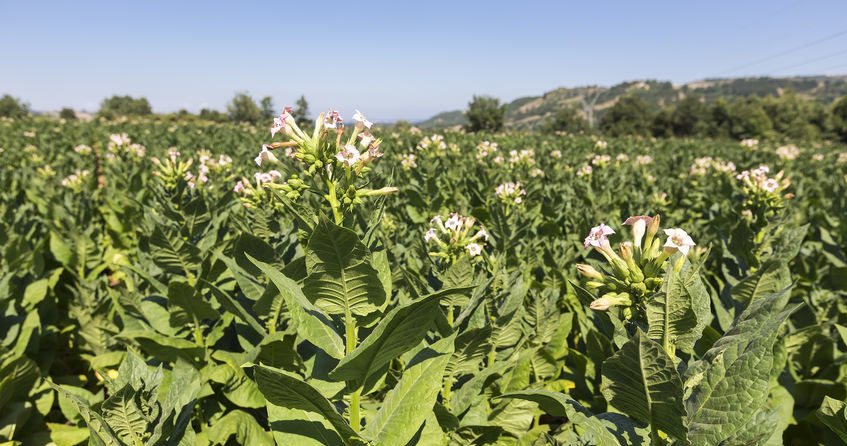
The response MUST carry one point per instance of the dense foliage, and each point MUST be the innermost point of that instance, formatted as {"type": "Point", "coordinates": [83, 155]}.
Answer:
{"type": "Point", "coordinates": [158, 287]}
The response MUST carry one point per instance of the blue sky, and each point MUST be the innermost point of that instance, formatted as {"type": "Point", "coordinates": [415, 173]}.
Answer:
{"type": "Point", "coordinates": [395, 59]}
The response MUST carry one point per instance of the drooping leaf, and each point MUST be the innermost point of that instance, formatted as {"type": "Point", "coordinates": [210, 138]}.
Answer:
{"type": "Point", "coordinates": [832, 413]}
{"type": "Point", "coordinates": [681, 310]}
{"type": "Point", "coordinates": [726, 387]}
{"type": "Point", "coordinates": [400, 415]}
{"type": "Point", "coordinates": [641, 381]}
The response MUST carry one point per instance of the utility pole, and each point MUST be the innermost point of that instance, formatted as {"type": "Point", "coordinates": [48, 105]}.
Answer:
{"type": "Point", "coordinates": [588, 107]}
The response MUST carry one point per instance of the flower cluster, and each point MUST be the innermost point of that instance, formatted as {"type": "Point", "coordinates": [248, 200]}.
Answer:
{"type": "Point", "coordinates": [408, 161]}
{"type": "Point", "coordinates": [751, 143]}
{"type": "Point", "coordinates": [434, 144]}
{"type": "Point", "coordinates": [82, 149]}
{"type": "Point", "coordinates": [76, 180]}
{"type": "Point", "coordinates": [535, 173]}
{"type": "Point", "coordinates": [842, 157]}
{"type": "Point", "coordinates": [788, 152]}
{"type": "Point", "coordinates": [601, 144]}
{"type": "Point", "coordinates": [510, 193]}
{"type": "Point", "coordinates": [818, 157]}
{"type": "Point", "coordinates": [585, 170]}
{"type": "Point", "coordinates": [764, 194]}
{"type": "Point", "coordinates": [643, 160]}
{"type": "Point", "coordinates": [173, 171]}
{"type": "Point", "coordinates": [622, 158]}
{"type": "Point", "coordinates": [117, 141]}
{"type": "Point", "coordinates": [484, 149]}
{"type": "Point", "coordinates": [636, 268]}
{"type": "Point", "coordinates": [453, 239]}
{"type": "Point", "coordinates": [327, 161]}
{"type": "Point", "coordinates": [601, 160]}
{"type": "Point", "coordinates": [524, 157]}
{"type": "Point", "coordinates": [556, 154]}
{"type": "Point", "coordinates": [702, 165]}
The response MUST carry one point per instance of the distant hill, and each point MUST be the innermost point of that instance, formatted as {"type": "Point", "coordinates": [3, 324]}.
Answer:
{"type": "Point", "coordinates": [528, 112]}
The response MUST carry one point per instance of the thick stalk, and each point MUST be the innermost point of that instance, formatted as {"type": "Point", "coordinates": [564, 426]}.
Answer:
{"type": "Point", "coordinates": [350, 325]}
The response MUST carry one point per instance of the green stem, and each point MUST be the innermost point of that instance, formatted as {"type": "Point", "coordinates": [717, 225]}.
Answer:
{"type": "Point", "coordinates": [198, 332]}
{"type": "Point", "coordinates": [350, 325]}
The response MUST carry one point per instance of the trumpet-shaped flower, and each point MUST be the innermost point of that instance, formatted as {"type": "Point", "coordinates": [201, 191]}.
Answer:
{"type": "Point", "coordinates": [280, 121]}
{"type": "Point", "coordinates": [361, 122]}
{"type": "Point", "coordinates": [598, 235]}
{"type": "Point", "coordinates": [474, 249]}
{"type": "Point", "coordinates": [265, 155]}
{"type": "Point", "coordinates": [332, 120]}
{"type": "Point", "coordinates": [679, 240]}
{"type": "Point", "coordinates": [348, 155]}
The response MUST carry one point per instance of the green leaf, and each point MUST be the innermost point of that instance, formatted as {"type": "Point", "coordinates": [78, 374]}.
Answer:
{"type": "Point", "coordinates": [124, 416]}
{"type": "Point", "coordinates": [730, 383]}
{"type": "Point", "coordinates": [60, 250]}
{"type": "Point", "coordinates": [172, 253]}
{"type": "Point", "coordinates": [832, 413]}
{"type": "Point", "coordinates": [399, 331]}
{"type": "Point", "coordinates": [64, 435]}
{"type": "Point", "coordinates": [299, 427]}
{"type": "Point", "coordinates": [289, 391]}
{"type": "Point", "coordinates": [99, 430]}
{"type": "Point", "coordinates": [34, 293]}
{"type": "Point", "coordinates": [186, 297]}
{"type": "Point", "coordinates": [561, 405]}
{"type": "Point", "coordinates": [243, 426]}
{"type": "Point", "coordinates": [408, 404]}
{"type": "Point", "coordinates": [233, 306]}
{"type": "Point", "coordinates": [641, 381]}
{"type": "Point", "coordinates": [341, 279]}
{"type": "Point", "coordinates": [681, 310]}
{"type": "Point", "coordinates": [310, 322]}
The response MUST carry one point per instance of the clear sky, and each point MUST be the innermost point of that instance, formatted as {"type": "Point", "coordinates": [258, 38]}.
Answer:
{"type": "Point", "coordinates": [396, 59]}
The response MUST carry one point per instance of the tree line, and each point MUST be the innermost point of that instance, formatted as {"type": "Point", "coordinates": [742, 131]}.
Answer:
{"type": "Point", "coordinates": [787, 116]}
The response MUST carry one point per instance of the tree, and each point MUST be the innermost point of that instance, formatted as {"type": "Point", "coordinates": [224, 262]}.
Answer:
{"type": "Point", "coordinates": [242, 108]}
{"type": "Point", "coordinates": [67, 114]}
{"type": "Point", "coordinates": [267, 108]}
{"type": "Point", "coordinates": [301, 112]}
{"type": "Point", "coordinates": [795, 117]}
{"type": "Point", "coordinates": [485, 114]}
{"type": "Point", "coordinates": [838, 118]}
{"type": "Point", "coordinates": [566, 119]}
{"type": "Point", "coordinates": [630, 115]}
{"type": "Point", "coordinates": [124, 106]}
{"type": "Point", "coordinates": [720, 119]}
{"type": "Point", "coordinates": [690, 117]}
{"type": "Point", "coordinates": [213, 115]}
{"type": "Point", "coordinates": [663, 125]}
{"type": "Point", "coordinates": [11, 107]}
{"type": "Point", "coordinates": [748, 119]}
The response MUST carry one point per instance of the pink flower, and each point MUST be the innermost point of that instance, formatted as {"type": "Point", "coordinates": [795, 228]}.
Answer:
{"type": "Point", "coordinates": [430, 235]}
{"type": "Point", "coordinates": [332, 120]}
{"type": "Point", "coordinates": [639, 225]}
{"type": "Point", "coordinates": [265, 155]}
{"type": "Point", "coordinates": [474, 249]}
{"type": "Point", "coordinates": [361, 122]}
{"type": "Point", "coordinates": [598, 235]}
{"type": "Point", "coordinates": [280, 121]}
{"type": "Point", "coordinates": [348, 155]}
{"type": "Point", "coordinates": [454, 222]}
{"type": "Point", "coordinates": [678, 239]}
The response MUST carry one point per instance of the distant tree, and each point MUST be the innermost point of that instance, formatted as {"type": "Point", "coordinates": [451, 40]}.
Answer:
{"type": "Point", "coordinates": [67, 114]}
{"type": "Point", "coordinates": [566, 119]}
{"type": "Point", "coordinates": [663, 125]}
{"type": "Point", "coordinates": [749, 120]}
{"type": "Point", "coordinates": [301, 112]}
{"type": "Point", "coordinates": [690, 117]}
{"type": "Point", "coordinates": [11, 107]}
{"type": "Point", "coordinates": [838, 118]}
{"type": "Point", "coordinates": [795, 117]}
{"type": "Point", "coordinates": [267, 108]}
{"type": "Point", "coordinates": [630, 115]}
{"type": "Point", "coordinates": [720, 119]}
{"type": "Point", "coordinates": [242, 108]}
{"type": "Point", "coordinates": [485, 114]}
{"type": "Point", "coordinates": [213, 115]}
{"type": "Point", "coordinates": [124, 106]}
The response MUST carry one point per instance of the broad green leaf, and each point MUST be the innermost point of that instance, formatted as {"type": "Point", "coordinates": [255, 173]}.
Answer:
{"type": "Point", "coordinates": [341, 279]}
{"type": "Point", "coordinates": [291, 392]}
{"type": "Point", "coordinates": [172, 253]}
{"type": "Point", "coordinates": [99, 430]}
{"type": "Point", "coordinates": [64, 435]}
{"type": "Point", "coordinates": [730, 383]}
{"type": "Point", "coordinates": [243, 426]}
{"type": "Point", "coordinates": [35, 292]}
{"type": "Point", "coordinates": [400, 330]}
{"type": "Point", "coordinates": [561, 405]}
{"type": "Point", "coordinates": [401, 414]}
{"type": "Point", "coordinates": [124, 416]}
{"type": "Point", "coordinates": [299, 427]}
{"type": "Point", "coordinates": [681, 311]}
{"type": "Point", "coordinates": [310, 322]}
{"type": "Point", "coordinates": [186, 297]}
{"type": "Point", "coordinates": [832, 413]}
{"type": "Point", "coordinates": [641, 381]}
{"type": "Point", "coordinates": [232, 305]}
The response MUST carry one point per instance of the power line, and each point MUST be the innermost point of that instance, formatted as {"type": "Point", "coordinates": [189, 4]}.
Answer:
{"type": "Point", "coordinates": [783, 53]}
{"type": "Point", "coordinates": [838, 53]}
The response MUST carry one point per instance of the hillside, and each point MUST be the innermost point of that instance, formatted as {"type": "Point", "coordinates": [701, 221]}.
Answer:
{"type": "Point", "coordinates": [527, 112]}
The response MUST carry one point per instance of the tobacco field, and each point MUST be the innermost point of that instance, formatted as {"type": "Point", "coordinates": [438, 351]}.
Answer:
{"type": "Point", "coordinates": [182, 283]}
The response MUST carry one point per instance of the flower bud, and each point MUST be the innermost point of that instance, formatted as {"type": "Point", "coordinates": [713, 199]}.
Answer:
{"type": "Point", "coordinates": [589, 271]}
{"type": "Point", "coordinates": [610, 300]}
{"type": "Point", "coordinates": [652, 229]}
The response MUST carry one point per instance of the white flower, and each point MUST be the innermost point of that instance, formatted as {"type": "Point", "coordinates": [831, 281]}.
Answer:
{"type": "Point", "coordinates": [361, 122]}
{"type": "Point", "coordinates": [678, 239]}
{"type": "Point", "coordinates": [265, 155]}
{"type": "Point", "coordinates": [430, 235]}
{"type": "Point", "coordinates": [348, 155]}
{"type": "Point", "coordinates": [474, 249]}
{"type": "Point", "coordinates": [454, 222]}
{"type": "Point", "coordinates": [598, 235]}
